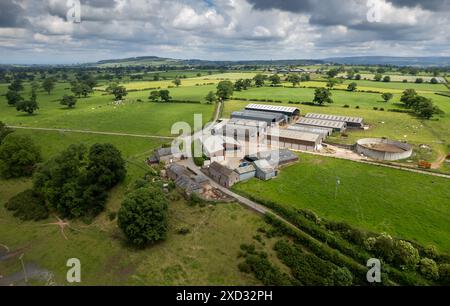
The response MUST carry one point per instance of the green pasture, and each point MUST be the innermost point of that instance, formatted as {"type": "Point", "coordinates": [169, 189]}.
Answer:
{"type": "Point", "coordinates": [407, 205]}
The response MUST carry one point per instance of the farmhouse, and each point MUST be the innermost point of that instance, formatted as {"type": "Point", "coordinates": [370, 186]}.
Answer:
{"type": "Point", "coordinates": [223, 175]}
{"type": "Point", "coordinates": [246, 172]}
{"type": "Point", "coordinates": [269, 118]}
{"type": "Point", "coordinates": [295, 140]}
{"type": "Point", "coordinates": [338, 126]}
{"type": "Point", "coordinates": [264, 171]}
{"type": "Point", "coordinates": [291, 113]}
{"type": "Point", "coordinates": [352, 122]}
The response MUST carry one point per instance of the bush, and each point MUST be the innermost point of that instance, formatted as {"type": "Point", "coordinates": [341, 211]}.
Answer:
{"type": "Point", "coordinates": [183, 231]}
{"type": "Point", "coordinates": [28, 205]}
{"type": "Point", "coordinates": [406, 256]}
{"type": "Point", "coordinates": [346, 106]}
{"type": "Point", "coordinates": [357, 107]}
{"type": "Point", "coordinates": [444, 273]}
{"type": "Point", "coordinates": [429, 269]}
{"type": "Point", "coordinates": [375, 108]}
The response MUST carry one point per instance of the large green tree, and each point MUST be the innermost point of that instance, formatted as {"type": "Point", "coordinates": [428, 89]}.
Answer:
{"type": "Point", "coordinates": [29, 106]}
{"type": "Point", "coordinates": [294, 79]}
{"type": "Point", "coordinates": [13, 97]}
{"type": "Point", "coordinates": [322, 95]}
{"type": "Point", "coordinates": [48, 85]}
{"type": "Point", "coordinates": [69, 101]}
{"type": "Point", "coordinates": [143, 216]}
{"type": "Point", "coordinates": [225, 90]}
{"type": "Point", "coordinates": [18, 156]}
{"type": "Point", "coordinates": [106, 166]}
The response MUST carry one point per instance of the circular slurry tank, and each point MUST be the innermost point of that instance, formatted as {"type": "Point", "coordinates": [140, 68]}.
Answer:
{"type": "Point", "coordinates": [383, 149]}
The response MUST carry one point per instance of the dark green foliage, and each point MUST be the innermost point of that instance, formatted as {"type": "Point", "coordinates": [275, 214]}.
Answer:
{"type": "Point", "coordinates": [225, 90]}
{"type": "Point", "coordinates": [106, 166]}
{"type": "Point", "coordinates": [75, 183]}
{"type": "Point", "coordinates": [16, 85]}
{"type": "Point", "coordinates": [352, 86]}
{"type": "Point", "coordinates": [258, 264]}
{"type": "Point", "coordinates": [4, 131]}
{"type": "Point", "coordinates": [13, 97]}
{"type": "Point", "coordinates": [308, 269]}
{"type": "Point", "coordinates": [259, 80]}
{"type": "Point", "coordinates": [48, 85]}
{"type": "Point", "coordinates": [18, 156]}
{"type": "Point", "coordinates": [27, 106]}
{"type": "Point", "coordinates": [165, 95]}
{"type": "Point", "coordinates": [69, 101]}
{"type": "Point", "coordinates": [322, 95]}
{"type": "Point", "coordinates": [143, 216]}
{"type": "Point", "coordinates": [387, 96]}
{"type": "Point", "coordinates": [28, 205]}
{"type": "Point", "coordinates": [211, 97]}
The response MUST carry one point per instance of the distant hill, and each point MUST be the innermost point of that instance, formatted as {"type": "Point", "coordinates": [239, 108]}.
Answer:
{"type": "Point", "coordinates": [159, 61]}
{"type": "Point", "coordinates": [390, 60]}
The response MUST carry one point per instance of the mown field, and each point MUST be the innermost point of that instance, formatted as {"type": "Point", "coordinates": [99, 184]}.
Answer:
{"type": "Point", "coordinates": [407, 205]}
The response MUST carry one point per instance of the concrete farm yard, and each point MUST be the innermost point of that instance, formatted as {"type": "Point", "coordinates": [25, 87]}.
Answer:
{"type": "Point", "coordinates": [407, 205]}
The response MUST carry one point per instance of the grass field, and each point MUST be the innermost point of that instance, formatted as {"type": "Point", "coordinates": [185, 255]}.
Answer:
{"type": "Point", "coordinates": [392, 87]}
{"type": "Point", "coordinates": [395, 77]}
{"type": "Point", "coordinates": [98, 113]}
{"type": "Point", "coordinates": [404, 204]}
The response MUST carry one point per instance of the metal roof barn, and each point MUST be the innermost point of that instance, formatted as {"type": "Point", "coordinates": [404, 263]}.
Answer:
{"type": "Point", "coordinates": [311, 129]}
{"type": "Point", "coordinates": [335, 125]}
{"type": "Point", "coordinates": [351, 121]}
{"type": "Point", "coordinates": [269, 118]}
{"type": "Point", "coordinates": [285, 110]}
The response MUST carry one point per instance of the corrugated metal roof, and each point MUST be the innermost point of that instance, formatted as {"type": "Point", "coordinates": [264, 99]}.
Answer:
{"type": "Point", "coordinates": [335, 118]}
{"type": "Point", "coordinates": [247, 122]}
{"type": "Point", "coordinates": [297, 135]}
{"type": "Point", "coordinates": [311, 129]}
{"type": "Point", "coordinates": [258, 114]}
{"type": "Point", "coordinates": [272, 108]}
{"type": "Point", "coordinates": [322, 123]}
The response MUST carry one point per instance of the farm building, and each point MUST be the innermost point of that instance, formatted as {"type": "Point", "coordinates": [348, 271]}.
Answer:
{"type": "Point", "coordinates": [325, 132]}
{"type": "Point", "coordinates": [269, 118]}
{"type": "Point", "coordinates": [215, 147]}
{"type": "Point", "coordinates": [186, 180]}
{"type": "Point", "coordinates": [264, 171]}
{"type": "Point", "coordinates": [242, 129]}
{"type": "Point", "coordinates": [295, 140]}
{"type": "Point", "coordinates": [188, 184]}
{"type": "Point", "coordinates": [337, 126]}
{"type": "Point", "coordinates": [352, 122]}
{"type": "Point", "coordinates": [291, 113]}
{"type": "Point", "coordinates": [174, 171]}
{"type": "Point", "coordinates": [278, 157]}
{"type": "Point", "coordinates": [223, 175]}
{"type": "Point", "coordinates": [246, 172]}
{"type": "Point", "coordinates": [167, 155]}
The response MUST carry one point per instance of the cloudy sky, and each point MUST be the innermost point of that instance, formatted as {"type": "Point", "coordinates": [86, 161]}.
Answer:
{"type": "Point", "coordinates": [39, 31]}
